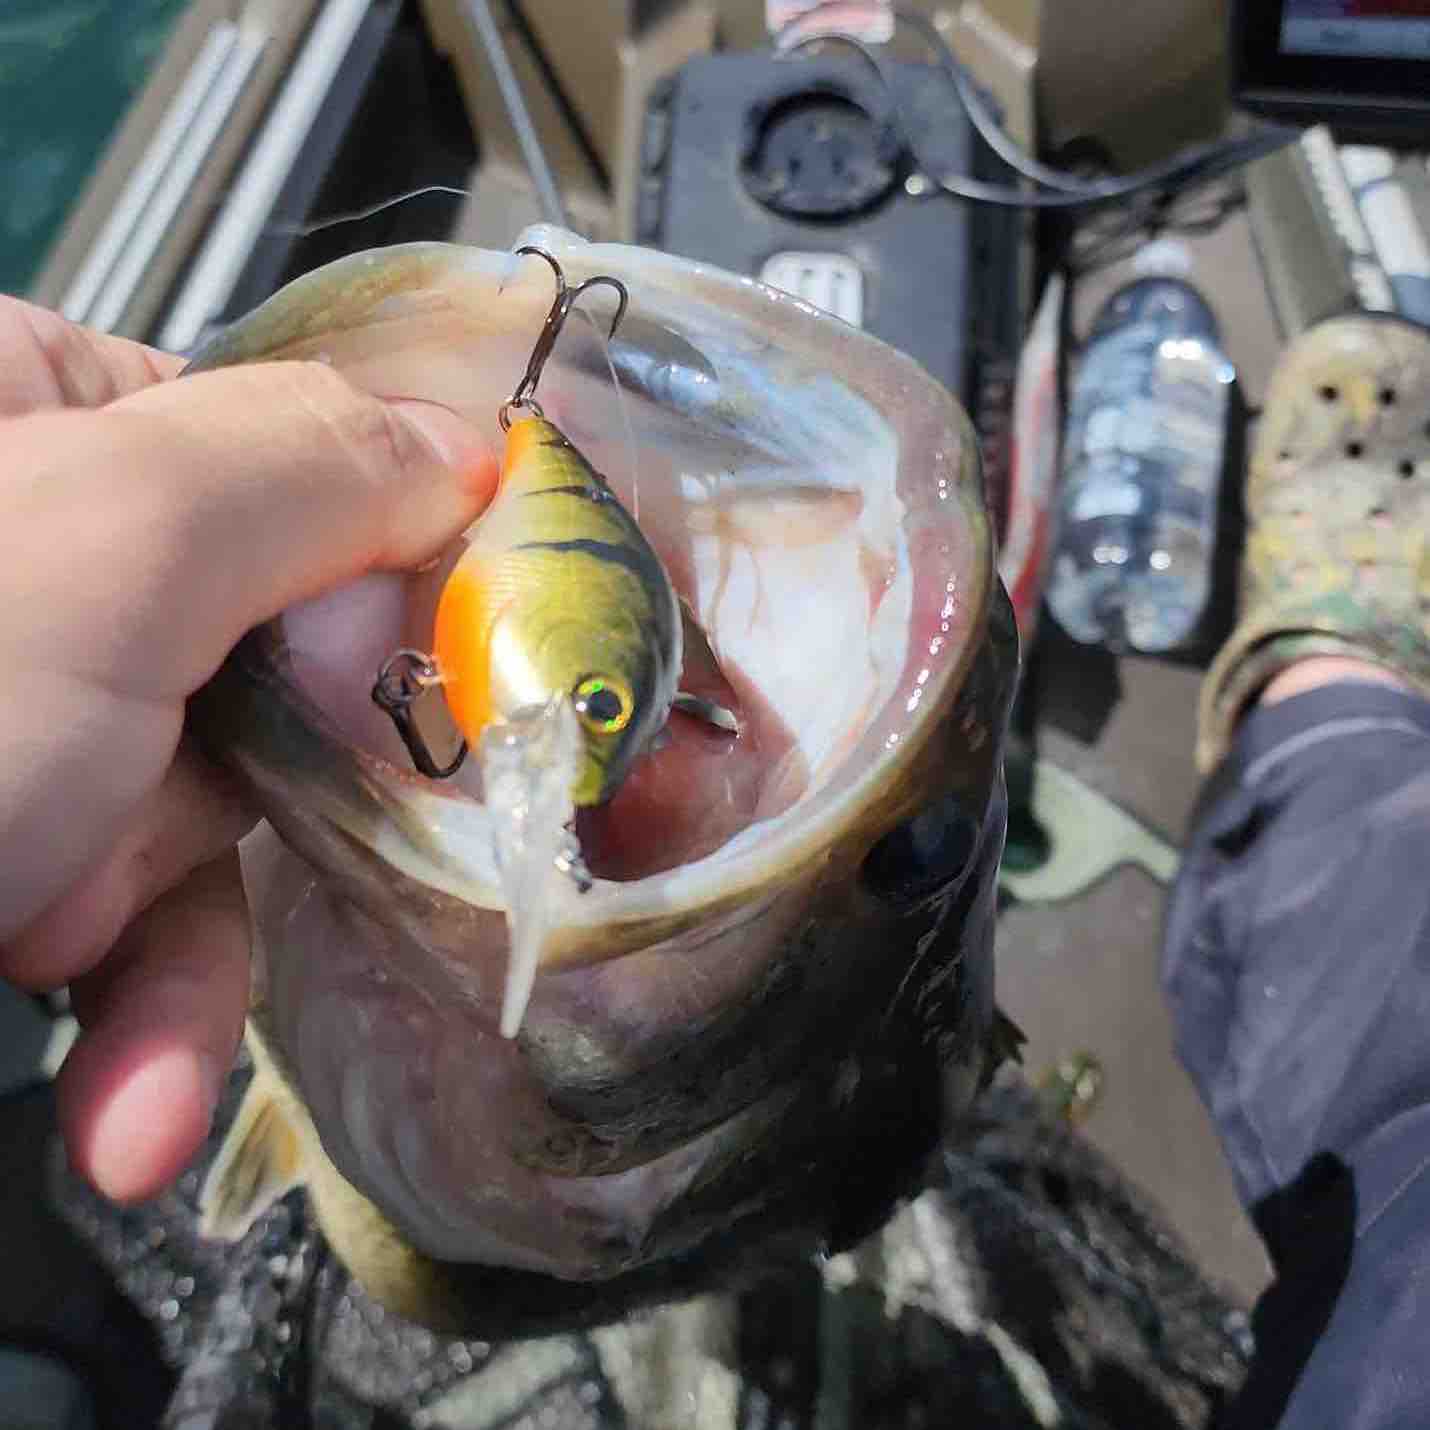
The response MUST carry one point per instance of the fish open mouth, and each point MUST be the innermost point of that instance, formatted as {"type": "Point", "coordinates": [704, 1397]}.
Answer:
{"type": "Point", "coordinates": [734, 976]}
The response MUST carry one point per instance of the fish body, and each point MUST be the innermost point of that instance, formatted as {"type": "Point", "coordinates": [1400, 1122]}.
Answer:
{"type": "Point", "coordinates": [559, 593]}
{"type": "Point", "coordinates": [745, 1040]}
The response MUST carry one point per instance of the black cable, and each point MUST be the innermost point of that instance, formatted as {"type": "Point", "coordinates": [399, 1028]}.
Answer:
{"type": "Point", "coordinates": [1197, 165]}
{"type": "Point", "coordinates": [1096, 245]}
{"type": "Point", "coordinates": [983, 119]}
{"type": "Point", "coordinates": [1013, 154]}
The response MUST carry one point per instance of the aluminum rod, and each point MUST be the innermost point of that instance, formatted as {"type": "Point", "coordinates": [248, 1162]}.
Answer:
{"type": "Point", "coordinates": [117, 232]}
{"type": "Point", "coordinates": [173, 193]}
{"type": "Point", "coordinates": [250, 202]}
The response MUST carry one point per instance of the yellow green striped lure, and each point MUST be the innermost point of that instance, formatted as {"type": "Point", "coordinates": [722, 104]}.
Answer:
{"type": "Point", "coordinates": [558, 594]}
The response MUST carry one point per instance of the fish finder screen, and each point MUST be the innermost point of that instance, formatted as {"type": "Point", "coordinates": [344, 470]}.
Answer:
{"type": "Point", "coordinates": [1375, 29]}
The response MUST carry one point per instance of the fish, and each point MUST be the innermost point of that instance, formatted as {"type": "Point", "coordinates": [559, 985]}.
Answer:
{"type": "Point", "coordinates": [747, 1037]}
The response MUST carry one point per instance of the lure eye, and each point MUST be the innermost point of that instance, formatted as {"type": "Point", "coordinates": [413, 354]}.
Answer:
{"type": "Point", "coordinates": [604, 704]}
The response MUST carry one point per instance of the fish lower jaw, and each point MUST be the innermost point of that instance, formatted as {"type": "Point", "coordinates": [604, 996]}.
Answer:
{"type": "Point", "coordinates": [455, 1132]}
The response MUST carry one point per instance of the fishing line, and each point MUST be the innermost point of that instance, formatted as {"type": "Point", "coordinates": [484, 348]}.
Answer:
{"type": "Point", "coordinates": [624, 408]}
{"type": "Point", "coordinates": [306, 230]}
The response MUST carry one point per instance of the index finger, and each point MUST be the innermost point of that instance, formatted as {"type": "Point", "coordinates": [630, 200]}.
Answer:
{"type": "Point", "coordinates": [51, 363]}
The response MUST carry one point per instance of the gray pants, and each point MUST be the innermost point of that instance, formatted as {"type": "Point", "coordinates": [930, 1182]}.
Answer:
{"type": "Point", "coordinates": [1297, 969]}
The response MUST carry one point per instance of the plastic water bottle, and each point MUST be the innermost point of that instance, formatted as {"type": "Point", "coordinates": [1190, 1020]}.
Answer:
{"type": "Point", "coordinates": [1148, 423]}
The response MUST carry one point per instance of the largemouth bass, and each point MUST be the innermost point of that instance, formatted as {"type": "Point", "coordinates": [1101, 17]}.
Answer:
{"type": "Point", "coordinates": [745, 1038]}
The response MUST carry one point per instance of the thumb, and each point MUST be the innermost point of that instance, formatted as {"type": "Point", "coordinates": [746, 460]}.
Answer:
{"type": "Point", "coordinates": [198, 508]}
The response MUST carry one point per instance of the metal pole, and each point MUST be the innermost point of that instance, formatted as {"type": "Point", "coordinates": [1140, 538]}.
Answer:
{"type": "Point", "coordinates": [547, 194]}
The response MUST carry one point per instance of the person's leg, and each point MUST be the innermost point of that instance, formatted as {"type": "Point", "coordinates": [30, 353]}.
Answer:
{"type": "Point", "coordinates": [1297, 959]}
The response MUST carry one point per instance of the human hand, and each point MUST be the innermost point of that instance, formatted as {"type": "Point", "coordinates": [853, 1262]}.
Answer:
{"type": "Point", "coordinates": [145, 525]}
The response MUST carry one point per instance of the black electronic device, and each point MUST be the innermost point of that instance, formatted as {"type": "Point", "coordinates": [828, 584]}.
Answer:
{"type": "Point", "coordinates": [1362, 66]}
{"type": "Point", "coordinates": [798, 171]}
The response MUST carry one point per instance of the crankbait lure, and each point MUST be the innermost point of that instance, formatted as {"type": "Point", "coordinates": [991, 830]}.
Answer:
{"type": "Point", "coordinates": [558, 595]}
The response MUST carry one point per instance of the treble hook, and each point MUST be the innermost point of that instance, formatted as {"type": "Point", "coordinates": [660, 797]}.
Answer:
{"type": "Point", "coordinates": [405, 674]}
{"type": "Point", "coordinates": [566, 299]}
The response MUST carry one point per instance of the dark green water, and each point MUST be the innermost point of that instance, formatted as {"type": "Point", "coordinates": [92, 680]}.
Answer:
{"type": "Point", "coordinates": [68, 69]}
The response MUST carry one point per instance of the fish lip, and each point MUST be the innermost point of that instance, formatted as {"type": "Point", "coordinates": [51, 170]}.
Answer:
{"type": "Point", "coordinates": [617, 918]}
{"type": "Point", "coordinates": [707, 885]}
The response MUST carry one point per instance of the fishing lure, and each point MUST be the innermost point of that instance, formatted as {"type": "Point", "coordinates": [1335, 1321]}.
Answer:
{"type": "Point", "coordinates": [558, 594]}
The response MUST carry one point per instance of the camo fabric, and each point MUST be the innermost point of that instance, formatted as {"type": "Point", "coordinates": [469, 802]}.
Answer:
{"type": "Point", "coordinates": [1337, 556]}
{"type": "Point", "coordinates": [1030, 1286]}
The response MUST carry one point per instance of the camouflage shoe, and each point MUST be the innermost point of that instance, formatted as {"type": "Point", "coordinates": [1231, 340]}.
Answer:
{"type": "Point", "coordinates": [1337, 555]}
